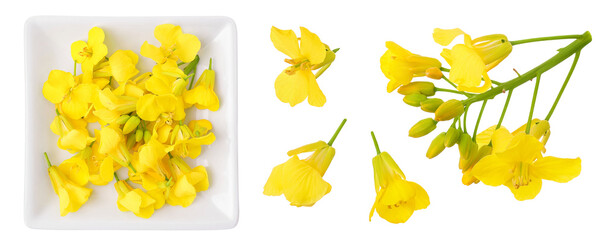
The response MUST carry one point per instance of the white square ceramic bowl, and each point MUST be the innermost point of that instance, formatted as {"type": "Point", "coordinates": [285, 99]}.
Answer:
{"type": "Point", "coordinates": [47, 47]}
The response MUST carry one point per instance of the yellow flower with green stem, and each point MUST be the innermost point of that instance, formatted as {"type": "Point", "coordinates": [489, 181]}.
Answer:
{"type": "Point", "coordinates": [175, 45]}
{"type": "Point", "coordinates": [397, 199]}
{"type": "Point", "coordinates": [471, 61]}
{"type": "Point", "coordinates": [298, 82]}
{"type": "Point", "coordinates": [517, 163]}
{"type": "Point", "coordinates": [89, 53]}
{"type": "Point", "coordinates": [400, 66]}
{"type": "Point", "coordinates": [301, 181]}
{"type": "Point", "coordinates": [203, 95]}
{"type": "Point", "coordinates": [71, 195]}
{"type": "Point", "coordinates": [73, 135]}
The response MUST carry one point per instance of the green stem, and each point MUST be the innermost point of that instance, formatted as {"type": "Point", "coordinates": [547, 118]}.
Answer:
{"type": "Point", "coordinates": [337, 132]}
{"type": "Point", "coordinates": [443, 69]}
{"type": "Point", "coordinates": [452, 91]}
{"type": "Point", "coordinates": [504, 111]}
{"type": "Point", "coordinates": [569, 75]}
{"type": "Point", "coordinates": [74, 68]}
{"type": "Point", "coordinates": [116, 177]}
{"type": "Point", "coordinates": [540, 39]}
{"type": "Point", "coordinates": [496, 82]}
{"type": "Point", "coordinates": [47, 160]}
{"type": "Point", "coordinates": [561, 55]}
{"type": "Point", "coordinates": [448, 80]}
{"type": "Point", "coordinates": [375, 142]}
{"type": "Point", "coordinates": [465, 118]}
{"type": "Point", "coordinates": [322, 70]}
{"type": "Point", "coordinates": [479, 118]}
{"type": "Point", "coordinates": [533, 104]}
{"type": "Point", "coordinates": [192, 67]}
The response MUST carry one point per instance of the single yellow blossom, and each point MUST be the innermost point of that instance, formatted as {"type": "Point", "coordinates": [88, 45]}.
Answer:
{"type": "Point", "coordinates": [397, 198]}
{"type": "Point", "coordinates": [400, 66]}
{"type": "Point", "coordinates": [188, 183]}
{"type": "Point", "coordinates": [123, 68]}
{"type": "Point", "coordinates": [301, 180]}
{"type": "Point", "coordinates": [76, 169]}
{"type": "Point", "coordinates": [174, 45]}
{"type": "Point", "coordinates": [150, 107]}
{"type": "Point", "coordinates": [203, 95]}
{"type": "Point", "coordinates": [71, 195]}
{"type": "Point", "coordinates": [471, 61]}
{"type": "Point", "coordinates": [100, 166]}
{"type": "Point", "coordinates": [89, 53]}
{"type": "Point", "coordinates": [63, 89]}
{"type": "Point", "coordinates": [134, 200]}
{"type": "Point", "coordinates": [297, 82]}
{"type": "Point", "coordinates": [517, 162]}
{"type": "Point", "coordinates": [73, 135]}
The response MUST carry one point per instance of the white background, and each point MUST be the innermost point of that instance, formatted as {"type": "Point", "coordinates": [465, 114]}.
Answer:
{"type": "Point", "coordinates": [355, 89]}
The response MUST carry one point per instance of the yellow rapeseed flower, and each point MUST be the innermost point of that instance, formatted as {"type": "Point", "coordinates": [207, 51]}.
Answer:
{"type": "Point", "coordinates": [400, 66]}
{"type": "Point", "coordinates": [471, 61]}
{"type": "Point", "coordinates": [203, 95]}
{"type": "Point", "coordinates": [89, 53]}
{"type": "Point", "coordinates": [134, 200]}
{"type": "Point", "coordinates": [71, 195]}
{"type": "Point", "coordinates": [517, 162]}
{"type": "Point", "coordinates": [397, 198]}
{"type": "Point", "coordinates": [174, 45]}
{"type": "Point", "coordinates": [298, 82]}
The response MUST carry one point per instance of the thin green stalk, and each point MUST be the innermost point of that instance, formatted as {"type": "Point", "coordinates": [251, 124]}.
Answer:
{"type": "Point", "coordinates": [47, 160]}
{"type": "Point", "coordinates": [561, 55]}
{"type": "Point", "coordinates": [192, 68]}
{"type": "Point", "coordinates": [74, 68]}
{"type": "Point", "coordinates": [116, 177]}
{"type": "Point", "coordinates": [504, 111]}
{"type": "Point", "coordinates": [448, 80]}
{"type": "Point", "coordinates": [443, 69]}
{"type": "Point", "coordinates": [325, 67]}
{"type": "Point", "coordinates": [540, 39]}
{"type": "Point", "coordinates": [479, 118]}
{"type": "Point", "coordinates": [465, 118]}
{"type": "Point", "coordinates": [375, 142]}
{"type": "Point", "coordinates": [533, 104]}
{"type": "Point", "coordinates": [451, 91]}
{"type": "Point", "coordinates": [569, 75]}
{"type": "Point", "coordinates": [337, 132]}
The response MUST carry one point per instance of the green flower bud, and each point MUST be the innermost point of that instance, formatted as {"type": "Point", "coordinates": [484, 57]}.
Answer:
{"type": "Point", "coordinates": [131, 124]}
{"type": "Point", "coordinates": [436, 146]}
{"type": "Point", "coordinates": [139, 134]}
{"type": "Point", "coordinates": [130, 141]}
{"type": "Point", "coordinates": [452, 137]}
{"type": "Point", "coordinates": [425, 88]}
{"type": "Point", "coordinates": [414, 99]}
{"type": "Point", "coordinates": [147, 136]}
{"type": "Point", "coordinates": [122, 119]}
{"type": "Point", "coordinates": [422, 128]}
{"type": "Point", "coordinates": [449, 110]}
{"type": "Point", "coordinates": [467, 148]}
{"type": "Point", "coordinates": [178, 86]}
{"type": "Point", "coordinates": [431, 105]}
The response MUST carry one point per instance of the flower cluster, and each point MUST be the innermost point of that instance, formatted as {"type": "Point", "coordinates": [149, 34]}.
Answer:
{"type": "Point", "coordinates": [495, 156]}
{"type": "Point", "coordinates": [142, 122]}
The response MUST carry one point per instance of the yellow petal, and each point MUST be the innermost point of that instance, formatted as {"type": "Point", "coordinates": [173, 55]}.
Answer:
{"type": "Point", "coordinates": [187, 47]}
{"type": "Point", "coordinates": [557, 169]}
{"type": "Point", "coordinates": [311, 47]}
{"type": "Point", "coordinates": [75, 139]}
{"type": "Point", "coordinates": [286, 42]}
{"type": "Point", "coordinates": [57, 86]}
{"type": "Point", "coordinates": [152, 52]}
{"type": "Point", "coordinates": [150, 106]}
{"type": "Point", "coordinates": [167, 34]}
{"type": "Point", "coordinates": [74, 108]}
{"type": "Point", "coordinates": [123, 65]}
{"type": "Point", "coordinates": [522, 148]}
{"type": "Point", "coordinates": [198, 176]}
{"type": "Point", "coordinates": [501, 138]}
{"type": "Point", "coordinates": [395, 70]}
{"type": "Point", "coordinates": [132, 202]}
{"type": "Point", "coordinates": [302, 184]}
{"type": "Point", "coordinates": [77, 48]}
{"type": "Point", "coordinates": [109, 140]}
{"type": "Point", "coordinates": [397, 50]}
{"type": "Point", "coordinates": [421, 197]}
{"type": "Point", "coordinates": [308, 148]}
{"type": "Point", "coordinates": [315, 96]}
{"type": "Point", "coordinates": [98, 53]}
{"type": "Point", "coordinates": [526, 192]}
{"type": "Point", "coordinates": [485, 136]}
{"type": "Point", "coordinates": [292, 89]}
{"type": "Point", "coordinates": [398, 191]}
{"type": "Point", "coordinates": [493, 171]}
{"type": "Point", "coordinates": [274, 185]}
{"type": "Point", "coordinates": [467, 67]}
{"type": "Point", "coordinates": [396, 213]}
{"type": "Point", "coordinates": [445, 36]}
{"type": "Point", "coordinates": [96, 36]}
{"type": "Point", "coordinates": [76, 170]}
